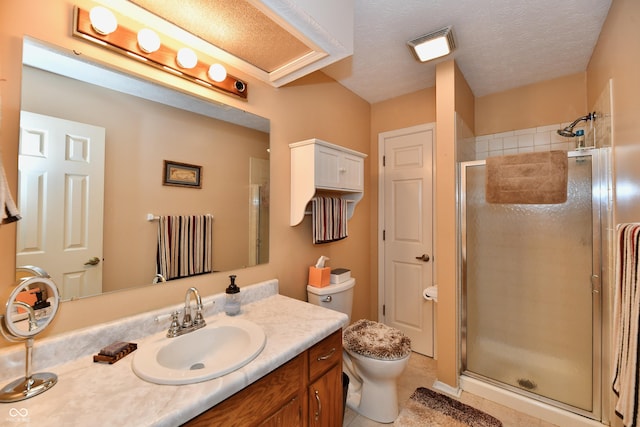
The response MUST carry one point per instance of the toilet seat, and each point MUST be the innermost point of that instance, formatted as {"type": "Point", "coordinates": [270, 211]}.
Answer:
{"type": "Point", "coordinates": [376, 340]}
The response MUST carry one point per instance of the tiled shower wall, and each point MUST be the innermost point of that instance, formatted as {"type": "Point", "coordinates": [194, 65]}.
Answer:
{"type": "Point", "coordinates": [542, 138]}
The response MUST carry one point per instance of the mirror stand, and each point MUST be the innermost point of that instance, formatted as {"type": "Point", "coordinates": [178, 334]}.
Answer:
{"type": "Point", "coordinates": [32, 384]}
{"type": "Point", "coordinates": [27, 314]}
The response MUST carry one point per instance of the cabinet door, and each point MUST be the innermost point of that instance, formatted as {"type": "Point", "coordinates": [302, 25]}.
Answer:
{"type": "Point", "coordinates": [351, 172]}
{"type": "Point", "coordinates": [327, 167]}
{"type": "Point", "coordinates": [290, 415]}
{"type": "Point", "coordinates": [325, 399]}
{"type": "Point", "coordinates": [273, 393]}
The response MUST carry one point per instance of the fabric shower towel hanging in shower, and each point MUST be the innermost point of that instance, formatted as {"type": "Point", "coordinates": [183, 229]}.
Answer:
{"type": "Point", "coordinates": [184, 245]}
{"type": "Point", "coordinates": [329, 219]}
{"type": "Point", "coordinates": [626, 315]}
{"type": "Point", "coordinates": [529, 178]}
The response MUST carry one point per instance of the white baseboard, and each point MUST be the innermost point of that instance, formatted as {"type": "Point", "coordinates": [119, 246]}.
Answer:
{"type": "Point", "coordinates": [447, 389]}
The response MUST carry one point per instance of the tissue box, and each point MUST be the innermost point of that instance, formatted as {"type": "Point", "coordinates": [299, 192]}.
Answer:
{"type": "Point", "coordinates": [319, 277]}
{"type": "Point", "coordinates": [339, 275]}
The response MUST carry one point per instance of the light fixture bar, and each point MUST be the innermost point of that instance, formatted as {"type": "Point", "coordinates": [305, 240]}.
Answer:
{"type": "Point", "coordinates": [192, 66]}
{"type": "Point", "coordinates": [433, 45]}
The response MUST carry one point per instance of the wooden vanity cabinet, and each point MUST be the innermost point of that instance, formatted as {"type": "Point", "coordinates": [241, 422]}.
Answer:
{"type": "Point", "coordinates": [306, 391]}
{"type": "Point", "coordinates": [325, 377]}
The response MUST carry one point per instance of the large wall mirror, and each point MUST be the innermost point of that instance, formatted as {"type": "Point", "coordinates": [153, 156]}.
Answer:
{"type": "Point", "coordinates": [107, 243]}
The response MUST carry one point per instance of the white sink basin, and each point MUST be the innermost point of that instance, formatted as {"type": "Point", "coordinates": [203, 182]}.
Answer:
{"type": "Point", "coordinates": [224, 345]}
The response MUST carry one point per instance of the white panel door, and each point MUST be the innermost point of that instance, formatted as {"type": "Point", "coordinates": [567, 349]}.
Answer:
{"type": "Point", "coordinates": [407, 248]}
{"type": "Point", "coordinates": [61, 180]}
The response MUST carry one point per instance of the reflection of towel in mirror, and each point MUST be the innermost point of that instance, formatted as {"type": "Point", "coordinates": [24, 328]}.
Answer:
{"type": "Point", "coordinates": [8, 210]}
{"type": "Point", "coordinates": [184, 245]}
{"type": "Point", "coordinates": [329, 219]}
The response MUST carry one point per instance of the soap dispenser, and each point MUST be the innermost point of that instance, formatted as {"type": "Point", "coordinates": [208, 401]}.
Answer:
{"type": "Point", "coordinates": [232, 301]}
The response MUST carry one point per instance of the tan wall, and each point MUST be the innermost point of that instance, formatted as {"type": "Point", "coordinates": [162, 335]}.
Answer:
{"type": "Point", "coordinates": [465, 101]}
{"type": "Point", "coordinates": [617, 57]}
{"type": "Point", "coordinates": [397, 113]}
{"type": "Point", "coordinates": [445, 225]}
{"type": "Point", "coordinates": [559, 100]}
{"type": "Point", "coordinates": [312, 107]}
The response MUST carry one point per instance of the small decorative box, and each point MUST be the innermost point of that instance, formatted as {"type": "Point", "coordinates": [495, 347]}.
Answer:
{"type": "Point", "coordinates": [339, 275]}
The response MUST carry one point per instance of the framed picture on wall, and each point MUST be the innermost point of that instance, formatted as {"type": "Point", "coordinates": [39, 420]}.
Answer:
{"type": "Point", "coordinates": [181, 174]}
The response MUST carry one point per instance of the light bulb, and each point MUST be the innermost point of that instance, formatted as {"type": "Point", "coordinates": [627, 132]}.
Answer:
{"type": "Point", "coordinates": [217, 73]}
{"type": "Point", "coordinates": [148, 40]}
{"type": "Point", "coordinates": [103, 20]}
{"type": "Point", "coordinates": [187, 58]}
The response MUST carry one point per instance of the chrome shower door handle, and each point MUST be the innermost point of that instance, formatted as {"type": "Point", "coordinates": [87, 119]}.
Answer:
{"type": "Point", "coordinates": [423, 257]}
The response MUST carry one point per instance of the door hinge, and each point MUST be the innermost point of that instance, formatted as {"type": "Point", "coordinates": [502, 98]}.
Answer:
{"type": "Point", "coordinates": [384, 309]}
{"type": "Point", "coordinates": [384, 161]}
{"type": "Point", "coordinates": [384, 234]}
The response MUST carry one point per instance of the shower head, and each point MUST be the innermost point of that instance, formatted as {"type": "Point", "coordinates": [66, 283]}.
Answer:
{"type": "Point", "coordinates": [568, 131]}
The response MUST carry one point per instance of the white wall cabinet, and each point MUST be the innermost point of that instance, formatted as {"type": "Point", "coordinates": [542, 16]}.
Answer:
{"type": "Point", "coordinates": [316, 166]}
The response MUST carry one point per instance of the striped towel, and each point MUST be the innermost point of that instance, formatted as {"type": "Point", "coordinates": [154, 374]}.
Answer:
{"type": "Point", "coordinates": [329, 219]}
{"type": "Point", "coordinates": [8, 210]}
{"type": "Point", "coordinates": [626, 314]}
{"type": "Point", "coordinates": [184, 245]}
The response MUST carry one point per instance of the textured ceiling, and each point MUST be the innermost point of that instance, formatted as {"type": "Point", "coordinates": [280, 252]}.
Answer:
{"type": "Point", "coordinates": [501, 44]}
{"type": "Point", "coordinates": [235, 26]}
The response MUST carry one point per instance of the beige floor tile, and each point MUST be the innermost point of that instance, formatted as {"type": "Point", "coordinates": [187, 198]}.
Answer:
{"type": "Point", "coordinates": [421, 372]}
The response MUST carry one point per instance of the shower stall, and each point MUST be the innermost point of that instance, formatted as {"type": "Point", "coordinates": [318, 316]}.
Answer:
{"type": "Point", "coordinates": [531, 286]}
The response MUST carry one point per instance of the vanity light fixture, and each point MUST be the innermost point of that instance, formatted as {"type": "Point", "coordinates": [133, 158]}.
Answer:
{"type": "Point", "coordinates": [103, 21]}
{"type": "Point", "coordinates": [217, 72]}
{"type": "Point", "coordinates": [148, 40]}
{"type": "Point", "coordinates": [100, 25]}
{"type": "Point", "coordinates": [433, 45]}
{"type": "Point", "coordinates": [187, 58]}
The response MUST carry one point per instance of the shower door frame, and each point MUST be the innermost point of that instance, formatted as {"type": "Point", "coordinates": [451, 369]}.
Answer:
{"type": "Point", "coordinates": [599, 196]}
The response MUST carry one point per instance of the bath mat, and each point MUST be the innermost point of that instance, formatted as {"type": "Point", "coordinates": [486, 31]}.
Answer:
{"type": "Point", "coordinates": [429, 408]}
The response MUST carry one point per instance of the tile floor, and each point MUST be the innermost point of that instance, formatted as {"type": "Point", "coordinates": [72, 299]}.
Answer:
{"type": "Point", "coordinates": [421, 372]}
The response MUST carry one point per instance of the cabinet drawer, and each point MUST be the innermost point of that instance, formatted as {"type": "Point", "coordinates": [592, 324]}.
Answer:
{"type": "Point", "coordinates": [325, 354]}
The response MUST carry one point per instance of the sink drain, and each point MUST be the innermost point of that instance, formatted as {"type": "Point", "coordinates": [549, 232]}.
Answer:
{"type": "Point", "coordinates": [197, 366]}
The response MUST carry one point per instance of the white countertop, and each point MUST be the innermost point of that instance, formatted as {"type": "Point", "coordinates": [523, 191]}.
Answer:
{"type": "Point", "coordinates": [98, 394]}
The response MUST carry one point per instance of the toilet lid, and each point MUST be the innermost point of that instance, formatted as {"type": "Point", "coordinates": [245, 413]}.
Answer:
{"type": "Point", "coordinates": [377, 340]}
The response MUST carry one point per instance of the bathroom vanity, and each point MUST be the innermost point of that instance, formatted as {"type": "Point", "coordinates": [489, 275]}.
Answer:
{"type": "Point", "coordinates": [305, 391]}
{"type": "Point", "coordinates": [295, 380]}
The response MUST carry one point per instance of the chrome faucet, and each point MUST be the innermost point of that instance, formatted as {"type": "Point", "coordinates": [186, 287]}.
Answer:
{"type": "Point", "coordinates": [189, 323]}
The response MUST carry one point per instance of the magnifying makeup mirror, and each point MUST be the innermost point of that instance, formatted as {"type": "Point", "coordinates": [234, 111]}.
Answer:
{"type": "Point", "coordinates": [30, 308]}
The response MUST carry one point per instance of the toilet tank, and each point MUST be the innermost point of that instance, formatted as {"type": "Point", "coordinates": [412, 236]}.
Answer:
{"type": "Point", "coordinates": [337, 296]}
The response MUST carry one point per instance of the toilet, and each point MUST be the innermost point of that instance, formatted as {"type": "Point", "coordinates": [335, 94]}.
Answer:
{"type": "Point", "coordinates": [374, 355]}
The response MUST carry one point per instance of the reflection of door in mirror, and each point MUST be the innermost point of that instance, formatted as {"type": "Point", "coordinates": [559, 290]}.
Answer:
{"type": "Point", "coordinates": [61, 230]}
{"type": "Point", "coordinates": [259, 211]}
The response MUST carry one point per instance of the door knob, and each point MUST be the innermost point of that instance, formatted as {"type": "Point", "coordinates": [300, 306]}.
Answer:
{"type": "Point", "coordinates": [93, 261]}
{"type": "Point", "coordinates": [423, 257]}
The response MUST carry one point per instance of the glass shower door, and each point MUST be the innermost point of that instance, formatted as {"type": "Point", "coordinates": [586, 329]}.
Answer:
{"type": "Point", "coordinates": [528, 291]}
